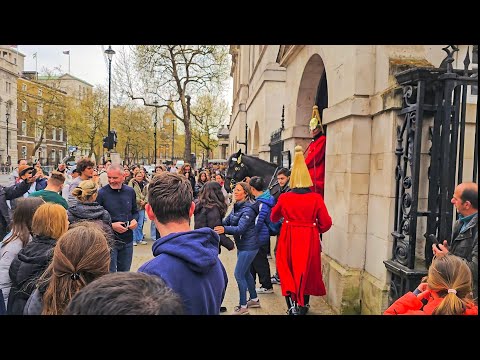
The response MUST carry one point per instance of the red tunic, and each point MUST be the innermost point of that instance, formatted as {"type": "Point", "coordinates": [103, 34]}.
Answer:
{"type": "Point", "coordinates": [315, 160]}
{"type": "Point", "coordinates": [298, 249]}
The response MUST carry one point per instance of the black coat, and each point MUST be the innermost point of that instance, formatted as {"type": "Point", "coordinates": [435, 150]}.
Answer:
{"type": "Point", "coordinates": [211, 217]}
{"type": "Point", "coordinates": [9, 193]}
{"type": "Point", "coordinates": [92, 211]}
{"type": "Point", "coordinates": [26, 268]}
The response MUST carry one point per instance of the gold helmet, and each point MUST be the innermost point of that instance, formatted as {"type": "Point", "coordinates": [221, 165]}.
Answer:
{"type": "Point", "coordinates": [299, 176]}
{"type": "Point", "coordinates": [316, 121]}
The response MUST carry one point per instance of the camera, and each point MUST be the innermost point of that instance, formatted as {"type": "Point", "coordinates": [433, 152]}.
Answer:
{"type": "Point", "coordinates": [34, 172]}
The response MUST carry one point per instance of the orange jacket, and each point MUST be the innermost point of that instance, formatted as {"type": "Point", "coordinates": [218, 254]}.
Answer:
{"type": "Point", "coordinates": [409, 304]}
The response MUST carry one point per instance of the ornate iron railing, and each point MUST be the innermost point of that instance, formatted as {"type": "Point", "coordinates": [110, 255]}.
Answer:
{"type": "Point", "coordinates": [433, 99]}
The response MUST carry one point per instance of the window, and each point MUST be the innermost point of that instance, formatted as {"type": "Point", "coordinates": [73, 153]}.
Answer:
{"type": "Point", "coordinates": [54, 134]}
{"type": "Point", "coordinates": [8, 87]}
{"type": "Point", "coordinates": [40, 109]}
{"type": "Point", "coordinates": [24, 152]}
{"type": "Point", "coordinates": [60, 134]}
{"type": "Point", "coordinates": [40, 92]}
{"type": "Point", "coordinates": [24, 87]}
{"type": "Point", "coordinates": [24, 127]}
{"type": "Point", "coordinates": [24, 105]}
{"type": "Point", "coordinates": [53, 156]}
{"type": "Point", "coordinates": [60, 155]}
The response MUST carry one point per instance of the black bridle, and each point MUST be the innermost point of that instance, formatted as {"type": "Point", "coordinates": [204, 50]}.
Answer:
{"type": "Point", "coordinates": [237, 168]}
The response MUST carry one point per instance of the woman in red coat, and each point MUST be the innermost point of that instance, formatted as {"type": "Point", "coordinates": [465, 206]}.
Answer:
{"type": "Point", "coordinates": [447, 291]}
{"type": "Point", "coordinates": [315, 153]}
{"type": "Point", "coordinates": [299, 250]}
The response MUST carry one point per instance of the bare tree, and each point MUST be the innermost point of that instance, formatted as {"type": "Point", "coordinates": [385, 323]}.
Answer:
{"type": "Point", "coordinates": [210, 113]}
{"type": "Point", "coordinates": [170, 73]}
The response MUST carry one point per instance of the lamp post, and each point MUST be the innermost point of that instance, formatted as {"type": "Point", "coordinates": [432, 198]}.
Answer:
{"type": "Point", "coordinates": [155, 133]}
{"type": "Point", "coordinates": [110, 52]}
{"type": "Point", "coordinates": [7, 118]}
{"type": "Point", "coordinates": [173, 137]}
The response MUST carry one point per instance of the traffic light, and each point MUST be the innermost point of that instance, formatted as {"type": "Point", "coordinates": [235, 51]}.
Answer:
{"type": "Point", "coordinates": [113, 138]}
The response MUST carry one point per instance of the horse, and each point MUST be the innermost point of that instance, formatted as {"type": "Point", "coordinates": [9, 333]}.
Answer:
{"type": "Point", "coordinates": [239, 166]}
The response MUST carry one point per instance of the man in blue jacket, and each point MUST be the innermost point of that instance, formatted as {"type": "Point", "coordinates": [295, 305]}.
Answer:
{"type": "Point", "coordinates": [187, 260]}
{"type": "Point", "coordinates": [120, 202]}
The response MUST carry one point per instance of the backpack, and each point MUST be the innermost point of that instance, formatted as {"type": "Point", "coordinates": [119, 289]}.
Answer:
{"type": "Point", "coordinates": [273, 227]}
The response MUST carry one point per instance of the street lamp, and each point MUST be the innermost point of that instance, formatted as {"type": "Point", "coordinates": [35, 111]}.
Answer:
{"type": "Point", "coordinates": [173, 137]}
{"type": "Point", "coordinates": [155, 133]}
{"type": "Point", "coordinates": [7, 118]}
{"type": "Point", "coordinates": [110, 54]}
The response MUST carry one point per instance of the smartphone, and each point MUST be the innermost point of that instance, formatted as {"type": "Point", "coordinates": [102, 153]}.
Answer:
{"type": "Point", "coordinates": [34, 172]}
{"type": "Point", "coordinates": [126, 224]}
{"type": "Point", "coordinates": [434, 240]}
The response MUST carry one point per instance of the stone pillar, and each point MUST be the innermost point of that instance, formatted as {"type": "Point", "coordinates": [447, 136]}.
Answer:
{"type": "Point", "coordinates": [346, 196]}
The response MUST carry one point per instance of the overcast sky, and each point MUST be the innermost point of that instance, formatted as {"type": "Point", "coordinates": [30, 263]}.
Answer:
{"type": "Point", "coordinates": [87, 62]}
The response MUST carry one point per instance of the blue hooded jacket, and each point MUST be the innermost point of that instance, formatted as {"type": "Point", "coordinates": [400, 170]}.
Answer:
{"type": "Point", "coordinates": [263, 207]}
{"type": "Point", "coordinates": [188, 263]}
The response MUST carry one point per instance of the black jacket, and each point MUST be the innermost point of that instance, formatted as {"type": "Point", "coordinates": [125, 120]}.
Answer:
{"type": "Point", "coordinates": [26, 268]}
{"type": "Point", "coordinates": [92, 211]}
{"type": "Point", "coordinates": [276, 190]}
{"type": "Point", "coordinates": [210, 217]}
{"type": "Point", "coordinates": [465, 245]}
{"type": "Point", "coordinates": [9, 193]}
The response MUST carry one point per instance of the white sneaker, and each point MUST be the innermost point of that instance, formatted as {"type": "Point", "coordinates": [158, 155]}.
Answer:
{"type": "Point", "coordinates": [143, 242]}
{"type": "Point", "coordinates": [262, 290]}
{"type": "Point", "coordinates": [134, 243]}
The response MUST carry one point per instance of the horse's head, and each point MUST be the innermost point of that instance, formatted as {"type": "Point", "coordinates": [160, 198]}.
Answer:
{"type": "Point", "coordinates": [236, 171]}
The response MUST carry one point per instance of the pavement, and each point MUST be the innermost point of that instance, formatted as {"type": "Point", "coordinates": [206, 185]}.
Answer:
{"type": "Point", "coordinates": [271, 304]}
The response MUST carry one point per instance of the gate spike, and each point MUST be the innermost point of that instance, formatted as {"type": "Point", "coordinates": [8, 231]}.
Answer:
{"type": "Point", "coordinates": [466, 62]}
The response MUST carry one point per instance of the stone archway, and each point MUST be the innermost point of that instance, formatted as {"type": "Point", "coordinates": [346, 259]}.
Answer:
{"type": "Point", "coordinates": [312, 91]}
{"type": "Point", "coordinates": [249, 141]}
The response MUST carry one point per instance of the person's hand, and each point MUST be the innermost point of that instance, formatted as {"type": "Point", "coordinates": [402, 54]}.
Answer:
{"type": "Point", "coordinates": [422, 287]}
{"type": "Point", "coordinates": [442, 251]}
{"type": "Point", "coordinates": [133, 224]}
{"type": "Point", "coordinates": [219, 229]}
{"type": "Point", "coordinates": [119, 227]}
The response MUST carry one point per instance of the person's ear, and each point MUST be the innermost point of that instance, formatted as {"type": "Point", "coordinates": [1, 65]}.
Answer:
{"type": "Point", "coordinates": [149, 210]}
{"type": "Point", "coordinates": [192, 209]}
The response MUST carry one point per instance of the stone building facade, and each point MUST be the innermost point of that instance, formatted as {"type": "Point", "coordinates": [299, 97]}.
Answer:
{"type": "Point", "coordinates": [358, 98]}
{"type": "Point", "coordinates": [11, 66]}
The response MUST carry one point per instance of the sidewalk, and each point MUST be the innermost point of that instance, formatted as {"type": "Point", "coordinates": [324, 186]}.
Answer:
{"type": "Point", "coordinates": [272, 304]}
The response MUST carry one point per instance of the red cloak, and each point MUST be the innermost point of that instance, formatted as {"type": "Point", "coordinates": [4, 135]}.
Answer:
{"type": "Point", "coordinates": [298, 249]}
{"type": "Point", "coordinates": [315, 160]}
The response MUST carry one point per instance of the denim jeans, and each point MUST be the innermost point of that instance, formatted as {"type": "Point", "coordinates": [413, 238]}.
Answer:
{"type": "Point", "coordinates": [121, 257]}
{"type": "Point", "coordinates": [138, 232]}
{"type": "Point", "coordinates": [153, 231]}
{"type": "Point", "coordinates": [244, 276]}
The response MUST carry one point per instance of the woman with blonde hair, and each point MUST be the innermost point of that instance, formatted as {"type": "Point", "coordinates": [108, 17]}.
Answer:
{"type": "Point", "coordinates": [49, 223]}
{"type": "Point", "coordinates": [81, 255]}
{"type": "Point", "coordinates": [17, 239]}
{"type": "Point", "coordinates": [447, 290]}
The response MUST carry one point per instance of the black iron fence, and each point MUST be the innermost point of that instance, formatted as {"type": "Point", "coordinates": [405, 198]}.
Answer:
{"type": "Point", "coordinates": [435, 104]}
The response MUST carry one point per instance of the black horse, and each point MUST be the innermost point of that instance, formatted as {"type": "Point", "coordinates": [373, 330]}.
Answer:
{"type": "Point", "coordinates": [241, 166]}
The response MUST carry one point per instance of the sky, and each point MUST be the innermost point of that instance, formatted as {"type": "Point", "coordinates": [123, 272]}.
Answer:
{"type": "Point", "coordinates": [87, 62]}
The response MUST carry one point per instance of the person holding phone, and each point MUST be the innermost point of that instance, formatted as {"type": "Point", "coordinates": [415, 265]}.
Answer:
{"type": "Point", "coordinates": [121, 203]}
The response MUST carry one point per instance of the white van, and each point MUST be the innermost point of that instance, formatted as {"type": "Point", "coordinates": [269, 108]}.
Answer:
{"type": "Point", "coordinates": [180, 163]}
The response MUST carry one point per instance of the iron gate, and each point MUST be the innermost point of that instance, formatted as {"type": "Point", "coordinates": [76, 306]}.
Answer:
{"type": "Point", "coordinates": [433, 99]}
{"type": "Point", "coordinates": [276, 142]}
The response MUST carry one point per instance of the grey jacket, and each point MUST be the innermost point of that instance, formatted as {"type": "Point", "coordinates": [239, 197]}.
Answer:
{"type": "Point", "coordinates": [9, 193]}
{"type": "Point", "coordinates": [465, 245]}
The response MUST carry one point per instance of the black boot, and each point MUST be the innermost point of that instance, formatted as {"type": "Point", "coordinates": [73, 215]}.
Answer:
{"type": "Point", "coordinates": [223, 309]}
{"type": "Point", "coordinates": [303, 310]}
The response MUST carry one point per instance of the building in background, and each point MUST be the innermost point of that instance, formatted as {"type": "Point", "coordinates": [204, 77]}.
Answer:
{"type": "Point", "coordinates": [11, 66]}
{"type": "Point", "coordinates": [41, 127]}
